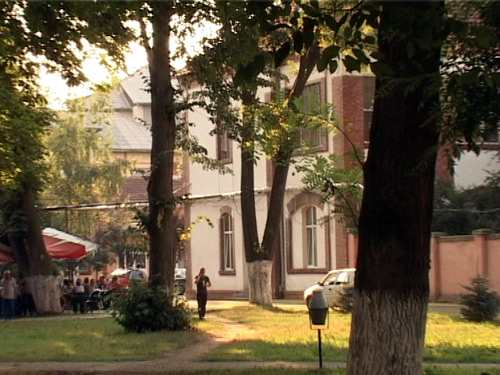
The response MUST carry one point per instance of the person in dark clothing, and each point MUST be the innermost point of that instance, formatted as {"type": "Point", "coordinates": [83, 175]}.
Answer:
{"type": "Point", "coordinates": [202, 282]}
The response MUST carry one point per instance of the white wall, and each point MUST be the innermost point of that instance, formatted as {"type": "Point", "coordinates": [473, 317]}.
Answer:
{"type": "Point", "coordinates": [205, 240]}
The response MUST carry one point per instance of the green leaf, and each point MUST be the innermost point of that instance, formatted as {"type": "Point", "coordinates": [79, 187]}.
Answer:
{"type": "Point", "coordinates": [333, 65]}
{"type": "Point", "coordinates": [369, 39]}
{"type": "Point", "coordinates": [298, 41]}
{"type": "Point", "coordinates": [331, 23]}
{"type": "Point", "coordinates": [360, 55]}
{"type": "Point", "coordinates": [347, 32]}
{"type": "Point", "coordinates": [311, 11]}
{"type": "Point", "coordinates": [377, 55]}
{"type": "Point", "coordinates": [352, 64]}
{"type": "Point", "coordinates": [322, 63]}
{"type": "Point", "coordinates": [282, 53]}
{"type": "Point", "coordinates": [331, 52]}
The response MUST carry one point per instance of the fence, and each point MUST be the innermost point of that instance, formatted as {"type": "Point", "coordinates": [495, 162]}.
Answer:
{"type": "Point", "coordinates": [455, 260]}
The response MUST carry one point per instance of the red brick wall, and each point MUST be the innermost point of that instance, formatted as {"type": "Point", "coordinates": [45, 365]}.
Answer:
{"type": "Point", "coordinates": [347, 99]}
{"type": "Point", "coordinates": [455, 260]}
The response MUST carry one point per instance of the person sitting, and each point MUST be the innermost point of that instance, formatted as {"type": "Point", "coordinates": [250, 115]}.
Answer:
{"type": "Point", "coordinates": [114, 284]}
{"type": "Point", "coordinates": [101, 283]}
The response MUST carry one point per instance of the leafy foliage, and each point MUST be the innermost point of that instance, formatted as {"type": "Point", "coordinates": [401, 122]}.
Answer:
{"type": "Point", "coordinates": [82, 167]}
{"type": "Point", "coordinates": [346, 299]}
{"type": "Point", "coordinates": [125, 240]}
{"type": "Point", "coordinates": [342, 186]}
{"type": "Point", "coordinates": [461, 211]}
{"type": "Point", "coordinates": [470, 93]}
{"type": "Point", "coordinates": [142, 308]}
{"type": "Point", "coordinates": [481, 304]}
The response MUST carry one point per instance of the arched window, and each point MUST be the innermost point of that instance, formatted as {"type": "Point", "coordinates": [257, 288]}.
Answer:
{"type": "Point", "coordinates": [308, 246]}
{"type": "Point", "coordinates": [311, 228]}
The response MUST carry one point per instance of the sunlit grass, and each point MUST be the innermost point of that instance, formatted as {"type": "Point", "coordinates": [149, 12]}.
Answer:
{"type": "Point", "coordinates": [270, 335]}
{"type": "Point", "coordinates": [286, 336]}
{"type": "Point", "coordinates": [84, 340]}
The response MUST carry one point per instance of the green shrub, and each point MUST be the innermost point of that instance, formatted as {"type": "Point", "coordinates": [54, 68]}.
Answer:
{"type": "Point", "coordinates": [482, 304]}
{"type": "Point", "coordinates": [148, 309]}
{"type": "Point", "coordinates": [346, 299]}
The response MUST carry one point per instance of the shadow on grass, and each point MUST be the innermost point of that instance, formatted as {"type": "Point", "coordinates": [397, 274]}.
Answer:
{"type": "Point", "coordinates": [260, 350]}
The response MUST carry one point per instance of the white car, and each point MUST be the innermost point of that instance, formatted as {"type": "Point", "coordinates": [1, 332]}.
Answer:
{"type": "Point", "coordinates": [332, 285]}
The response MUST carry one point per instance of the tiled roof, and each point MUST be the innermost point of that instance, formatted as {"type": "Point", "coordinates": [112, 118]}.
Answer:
{"type": "Point", "coordinates": [119, 100]}
{"type": "Point", "coordinates": [135, 189]}
{"type": "Point", "coordinates": [136, 87]}
{"type": "Point", "coordinates": [129, 134]}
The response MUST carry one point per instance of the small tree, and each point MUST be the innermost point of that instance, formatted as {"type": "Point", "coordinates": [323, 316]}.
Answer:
{"type": "Point", "coordinates": [482, 304]}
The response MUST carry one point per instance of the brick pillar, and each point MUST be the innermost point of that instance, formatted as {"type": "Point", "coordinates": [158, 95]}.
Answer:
{"type": "Point", "coordinates": [480, 237]}
{"type": "Point", "coordinates": [347, 99]}
{"type": "Point", "coordinates": [435, 273]}
{"type": "Point", "coordinates": [352, 248]}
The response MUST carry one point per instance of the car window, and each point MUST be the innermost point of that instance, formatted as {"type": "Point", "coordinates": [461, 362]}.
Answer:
{"type": "Point", "coordinates": [330, 278]}
{"type": "Point", "coordinates": [343, 278]}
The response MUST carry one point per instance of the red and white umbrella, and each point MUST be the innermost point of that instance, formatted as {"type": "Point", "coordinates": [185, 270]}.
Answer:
{"type": "Point", "coordinates": [60, 245]}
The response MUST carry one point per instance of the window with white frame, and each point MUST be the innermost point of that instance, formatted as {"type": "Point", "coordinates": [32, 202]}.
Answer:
{"type": "Point", "coordinates": [227, 243]}
{"type": "Point", "coordinates": [311, 228]}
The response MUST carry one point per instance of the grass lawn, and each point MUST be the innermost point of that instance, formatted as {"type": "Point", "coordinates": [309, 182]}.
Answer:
{"type": "Point", "coordinates": [100, 339]}
{"type": "Point", "coordinates": [284, 335]}
{"type": "Point", "coordinates": [272, 335]}
{"type": "Point", "coordinates": [324, 371]}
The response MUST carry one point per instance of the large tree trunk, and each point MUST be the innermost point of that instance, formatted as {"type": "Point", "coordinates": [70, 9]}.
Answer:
{"type": "Point", "coordinates": [392, 286]}
{"type": "Point", "coordinates": [259, 281]}
{"type": "Point", "coordinates": [35, 264]}
{"type": "Point", "coordinates": [162, 235]}
{"type": "Point", "coordinates": [259, 258]}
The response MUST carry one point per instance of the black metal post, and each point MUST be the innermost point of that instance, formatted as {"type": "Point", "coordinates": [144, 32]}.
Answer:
{"type": "Point", "coordinates": [319, 349]}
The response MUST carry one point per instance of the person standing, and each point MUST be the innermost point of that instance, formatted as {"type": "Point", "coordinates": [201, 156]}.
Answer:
{"type": "Point", "coordinates": [202, 282]}
{"type": "Point", "coordinates": [9, 295]}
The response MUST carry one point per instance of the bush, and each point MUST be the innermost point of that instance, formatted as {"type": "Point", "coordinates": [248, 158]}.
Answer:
{"type": "Point", "coordinates": [346, 299]}
{"type": "Point", "coordinates": [147, 309]}
{"type": "Point", "coordinates": [482, 304]}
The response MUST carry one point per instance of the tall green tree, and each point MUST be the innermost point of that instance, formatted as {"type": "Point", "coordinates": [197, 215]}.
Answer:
{"type": "Point", "coordinates": [162, 17]}
{"type": "Point", "coordinates": [394, 227]}
{"type": "Point", "coordinates": [411, 65]}
{"type": "Point", "coordinates": [34, 34]}
{"type": "Point", "coordinates": [82, 167]}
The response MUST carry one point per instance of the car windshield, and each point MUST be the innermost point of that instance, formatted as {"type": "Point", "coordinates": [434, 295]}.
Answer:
{"type": "Point", "coordinates": [330, 278]}
{"type": "Point", "coordinates": [343, 278]}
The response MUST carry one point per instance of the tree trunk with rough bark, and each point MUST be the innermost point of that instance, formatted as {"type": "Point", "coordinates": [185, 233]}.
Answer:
{"type": "Point", "coordinates": [260, 257]}
{"type": "Point", "coordinates": [392, 285]}
{"type": "Point", "coordinates": [163, 239]}
{"type": "Point", "coordinates": [259, 281]}
{"type": "Point", "coordinates": [34, 263]}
